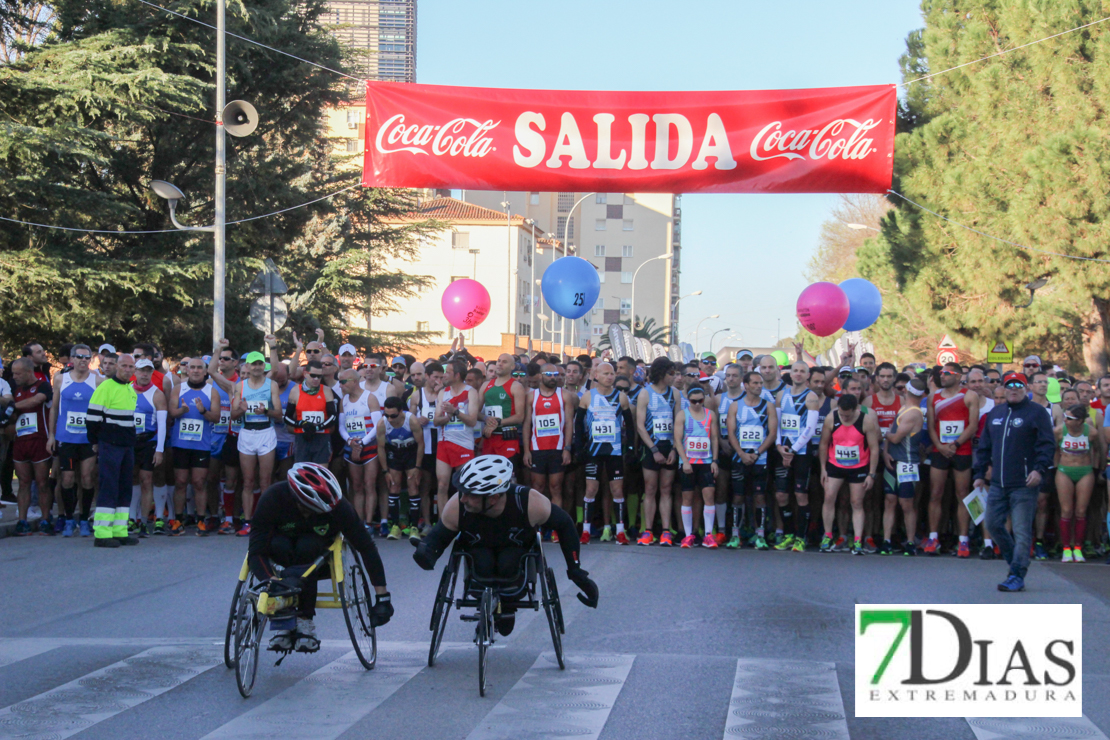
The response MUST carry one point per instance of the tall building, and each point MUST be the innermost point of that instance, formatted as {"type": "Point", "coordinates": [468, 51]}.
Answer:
{"type": "Point", "coordinates": [383, 30]}
{"type": "Point", "coordinates": [626, 236]}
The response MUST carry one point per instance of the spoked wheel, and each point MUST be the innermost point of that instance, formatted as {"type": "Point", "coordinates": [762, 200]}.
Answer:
{"type": "Point", "coordinates": [229, 633]}
{"type": "Point", "coordinates": [485, 635]}
{"type": "Point", "coordinates": [249, 628]}
{"type": "Point", "coordinates": [445, 597]}
{"type": "Point", "coordinates": [354, 594]}
{"type": "Point", "coordinates": [554, 611]}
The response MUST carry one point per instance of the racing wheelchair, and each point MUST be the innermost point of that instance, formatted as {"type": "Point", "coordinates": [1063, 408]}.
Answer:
{"type": "Point", "coordinates": [490, 596]}
{"type": "Point", "coordinates": [256, 603]}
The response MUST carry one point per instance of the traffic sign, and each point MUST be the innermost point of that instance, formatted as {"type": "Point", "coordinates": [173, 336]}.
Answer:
{"type": "Point", "coordinates": [1001, 353]}
{"type": "Point", "coordinates": [269, 315]}
{"type": "Point", "coordinates": [946, 343]}
{"type": "Point", "coordinates": [947, 355]}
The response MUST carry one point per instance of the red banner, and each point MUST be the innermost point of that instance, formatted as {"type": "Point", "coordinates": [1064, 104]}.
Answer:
{"type": "Point", "coordinates": [826, 140]}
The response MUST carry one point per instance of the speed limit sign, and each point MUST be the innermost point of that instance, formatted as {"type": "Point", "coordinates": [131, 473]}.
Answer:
{"type": "Point", "coordinates": [947, 355]}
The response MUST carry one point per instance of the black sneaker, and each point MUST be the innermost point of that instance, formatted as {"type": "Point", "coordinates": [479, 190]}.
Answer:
{"type": "Point", "coordinates": [109, 542]}
{"type": "Point", "coordinates": [884, 548]}
{"type": "Point", "coordinates": [987, 553]}
{"type": "Point", "coordinates": [909, 549]}
{"type": "Point", "coordinates": [127, 541]}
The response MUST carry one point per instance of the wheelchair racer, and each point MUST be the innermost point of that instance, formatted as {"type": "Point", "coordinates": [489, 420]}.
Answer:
{"type": "Point", "coordinates": [496, 521]}
{"type": "Point", "coordinates": [295, 522]}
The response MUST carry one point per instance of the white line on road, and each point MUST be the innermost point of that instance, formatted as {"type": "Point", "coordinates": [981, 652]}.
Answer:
{"type": "Point", "coordinates": [15, 650]}
{"type": "Point", "coordinates": [100, 695]}
{"type": "Point", "coordinates": [548, 702]}
{"type": "Point", "coordinates": [770, 695]}
{"type": "Point", "coordinates": [330, 701]}
{"type": "Point", "coordinates": [1057, 728]}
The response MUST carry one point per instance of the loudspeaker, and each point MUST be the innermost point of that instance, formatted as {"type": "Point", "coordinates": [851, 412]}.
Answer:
{"type": "Point", "coordinates": [240, 118]}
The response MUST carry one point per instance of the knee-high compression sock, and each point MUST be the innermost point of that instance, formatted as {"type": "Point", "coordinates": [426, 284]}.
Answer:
{"type": "Point", "coordinates": [1080, 531]}
{"type": "Point", "coordinates": [587, 514]}
{"type": "Point", "coordinates": [787, 517]}
{"type": "Point", "coordinates": [620, 511]}
{"type": "Point", "coordinates": [414, 510]}
{"type": "Point", "coordinates": [87, 496]}
{"type": "Point", "coordinates": [136, 502]}
{"type": "Point", "coordinates": [737, 519]}
{"type": "Point", "coordinates": [707, 515]}
{"type": "Point", "coordinates": [161, 510]}
{"type": "Point", "coordinates": [1065, 532]}
{"type": "Point", "coordinates": [801, 524]}
{"type": "Point", "coordinates": [579, 513]}
{"type": "Point", "coordinates": [760, 520]}
{"type": "Point", "coordinates": [69, 501]}
{"type": "Point", "coordinates": [394, 511]}
{"type": "Point", "coordinates": [721, 510]}
{"type": "Point", "coordinates": [688, 520]}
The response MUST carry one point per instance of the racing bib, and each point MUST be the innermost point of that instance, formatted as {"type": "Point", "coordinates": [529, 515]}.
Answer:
{"type": "Point", "coordinates": [356, 425]}
{"type": "Point", "coordinates": [140, 423]}
{"type": "Point", "coordinates": [547, 425]}
{"type": "Point", "coordinates": [257, 408]}
{"type": "Point", "coordinates": [191, 430]}
{"type": "Point", "coordinates": [604, 430]}
{"type": "Point", "coordinates": [907, 472]}
{"type": "Point", "coordinates": [750, 435]}
{"type": "Point", "coordinates": [791, 424]}
{"type": "Point", "coordinates": [493, 412]}
{"type": "Point", "coordinates": [1075, 445]}
{"type": "Point", "coordinates": [75, 422]}
{"type": "Point", "coordinates": [662, 427]}
{"type": "Point", "coordinates": [313, 417]}
{"type": "Point", "coordinates": [27, 424]}
{"type": "Point", "coordinates": [846, 455]}
{"type": "Point", "coordinates": [698, 447]}
{"type": "Point", "coordinates": [222, 425]}
{"type": "Point", "coordinates": [950, 431]}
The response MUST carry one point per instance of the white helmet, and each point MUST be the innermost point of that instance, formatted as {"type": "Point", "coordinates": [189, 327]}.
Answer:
{"type": "Point", "coordinates": [485, 475]}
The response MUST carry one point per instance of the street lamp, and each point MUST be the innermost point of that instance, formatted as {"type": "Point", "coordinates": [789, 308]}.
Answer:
{"type": "Point", "coordinates": [634, 276]}
{"type": "Point", "coordinates": [508, 268]}
{"type": "Point", "coordinates": [566, 248]}
{"type": "Point", "coordinates": [714, 336]}
{"type": "Point", "coordinates": [858, 227]}
{"type": "Point", "coordinates": [1033, 288]}
{"type": "Point", "coordinates": [674, 321]}
{"type": "Point", "coordinates": [698, 329]}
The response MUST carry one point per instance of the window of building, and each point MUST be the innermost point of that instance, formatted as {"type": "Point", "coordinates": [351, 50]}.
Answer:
{"type": "Point", "coordinates": [352, 146]}
{"type": "Point", "coordinates": [353, 118]}
{"type": "Point", "coordinates": [565, 228]}
{"type": "Point", "coordinates": [599, 250]}
{"type": "Point", "coordinates": [614, 211]}
{"type": "Point", "coordinates": [599, 331]}
{"type": "Point", "coordinates": [599, 224]}
{"type": "Point", "coordinates": [460, 239]}
{"type": "Point", "coordinates": [626, 250]}
{"type": "Point", "coordinates": [566, 202]}
{"type": "Point", "coordinates": [525, 330]}
{"type": "Point", "coordinates": [600, 305]}
{"type": "Point", "coordinates": [459, 277]}
{"type": "Point", "coordinates": [626, 277]}
{"type": "Point", "coordinates": [599, 198]}
{"type": "Point", "coordinates": [626, 306]}
{"type": "Point", "coordinates": [534, 198]}
{"type": "Point", "coordinates": [601, 275]}
{"type": "Point", "coordinates": [422, 326]}
{"type": "Point", "coordinates": [627, 224]}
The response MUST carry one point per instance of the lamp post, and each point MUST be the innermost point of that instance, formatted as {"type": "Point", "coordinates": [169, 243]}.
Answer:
{"type": "Point", "coordinates": [636, 275]}
{"type": "Point", "coordinates": [532, 282]}
{"type": "Point", "coordinates": [508, 268]}
{"type": "Point", "coordinates": [698, 329]}
{"type": "Point", "coordinates": [674, 321]}
{"type": "Point", "coordinates": [1033, 287]}
{"type": "Point", "coordinates": [566, 251]}
{"type": "Point", "coordinates": [859, 227]}
{"type": "Point", "coordinates": [714, 336]}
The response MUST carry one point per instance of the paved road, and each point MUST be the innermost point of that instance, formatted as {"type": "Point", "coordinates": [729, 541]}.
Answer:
{"type": "Point", "coordinates": [125, 644]}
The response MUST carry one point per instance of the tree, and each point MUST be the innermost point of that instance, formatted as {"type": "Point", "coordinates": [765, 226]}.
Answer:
{"type": "Point", "coordinates": [645, 328]}
{"type": "Point", "coordinates": [834, 259]}
{"type": "Point", "coordinates": [1015, 147]}
{"type": "Point", "coordinates": [120, 94]}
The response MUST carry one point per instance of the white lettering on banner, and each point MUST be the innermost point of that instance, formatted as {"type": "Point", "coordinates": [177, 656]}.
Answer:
{"type": "Point", "coordinates": [443, 142]}
{"type": "Point", "coordinates": [823, 143]}
{"type": "Point", "coordinates": [663, 123]}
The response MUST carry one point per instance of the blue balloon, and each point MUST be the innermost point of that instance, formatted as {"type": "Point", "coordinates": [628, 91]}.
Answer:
{"type": "Point", "coordinates": [865, 303]}
{"type": "Point", "coordinates": [570, 286]}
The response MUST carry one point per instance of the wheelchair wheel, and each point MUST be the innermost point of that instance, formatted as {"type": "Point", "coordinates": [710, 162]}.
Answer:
{"type": "Point", "coordinates": [229, 633]}
{"type": "Point", "coordinates": [249, 628]}
{"type": "Point", "coordinates": [554, 611]}
{"type": "Point", "coordinates": [354, 594]}
{"type": "Point", "coordinates": [484, 638]}
{"type": "Point", "coordinates": [445, 597]}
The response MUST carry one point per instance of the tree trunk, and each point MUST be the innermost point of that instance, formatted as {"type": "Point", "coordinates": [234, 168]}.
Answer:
{"type": "Point", "coordinates": [1094, 337]}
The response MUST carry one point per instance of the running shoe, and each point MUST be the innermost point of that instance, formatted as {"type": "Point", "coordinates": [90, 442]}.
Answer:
{"type": "Point", "coordinates": [1077, 554]}
{"type": "Point", "coordinates": [775, 539]}
{"type": "Point", "coordinates": [176, 528]}
{"type": "Point", "coordinates": [786, 542]}
{"type": "Point", "coordinates": [85, 527]}
{"type": "Point", "coordinates": [710, 542]}
{"type": "Point", "coordinates": [1089, 550]}
{"type": "Point", "coordinates": [132, 526]}
{"type": "Point", "coordinates": [827, 544]}
{"type": "Point", "coordinates": [963, 550]}
{"type": "Point", "coordinates": [159, 526]}
{"type": "Point", "coordinates": [585, 538]}
{"type": "Point", "coordinates": [929, 546]}
{"type": "Point", "coordinates": [69, 528]}
{"type": "Point", "coordinates": [909, 549]}
{"type": "Point", "coordinates": [203, 528]}
{"type": "Point", "coordinates": [987, 553]}
{"type": "Point", "coordinates": [414, 534]}
{"type": "Point", "coordinates": [688, 541]}
{"type": "Point", "coordinates": [244, 531]}
{"type": "Point", "coordinates": [647, 538]}
{"type": "Point", "coordinates": [799, 544]}
{"type": "Point", "coordinates": [22, 528]}
{"type": "Point", "coordinates": [60, 525]}
{"type": "Point", "coordinates": [394, 533]}
{"type": "Point", "coordinates": [1012, 584]}
{"type": "Point", "coordinates": [1039, 552]}
{"type": "Point", "coordinates": [884, 548]}
{"type": "Point", "coordinates": [46, 527]}
{"type": "Point", "coordinates": [1067, 558]}
{"type": "Point", "coordinates": [383, 531]}
{"type": "Point", "coordinates": [226, 528]}
{"type": "Point", "coordinates": [622, 538]}
{"type": "Point", "coordinates": [869, 546]}
{"type": "Point", "coordinates": [759, 543]}
{"type": "Point", "coordinates": [841, 544]}
{"type": "Point", "coordinates": [143, 534]}
{"type": "Point", "coordinates": [734, 543]}
{"type": "Point", "coordinates": [607, 533]}
{"type": "Point", "coordinates": [857, 548]}
{"type": "Point", "coordinates": [666, 539]}
{"type": "Point", "coordinates": [721, 538]}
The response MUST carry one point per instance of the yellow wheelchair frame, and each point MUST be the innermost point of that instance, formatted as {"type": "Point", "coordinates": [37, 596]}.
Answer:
{"type": "Point", "coordinates": [252, 607]}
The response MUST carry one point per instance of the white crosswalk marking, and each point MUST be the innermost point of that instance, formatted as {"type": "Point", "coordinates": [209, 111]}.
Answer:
{"type": "Point", "coordinates": [331, 700]}
{"type": "Point", "coordinates": [547, 702]}
{"type": "Point", "coordinates": [100, 695]}
{"type": "Point", "coordinates": [771, 695]}
{"type": "Point", "coordinates": [13, 651]}
{"type": "Point", "coordinates": [1026, 728]}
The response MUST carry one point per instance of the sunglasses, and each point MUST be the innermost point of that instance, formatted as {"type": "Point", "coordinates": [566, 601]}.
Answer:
{"type": "Point", "coordinates": [519, 375]}
{"type": "Point", "coordinates": [315, 376]}
{"type": "Point", "coordinates": [709, 362]}
{"type": "Point", "coordinates": [1015, 384]}
{"type": "Point", "coordinates": [350, 380]}
{"type": "Point", "coordinates": [392, 416]}
{"type": "Point", "coordinates": [992, 381]}
{"type": "Point", "coordinates": [226, 359]}
{"type": "Point", "coordinates": [327, 364]}
{"type": "Point", "coordinates": [313, 351]}
{"type": "Point", "coordinates": [696, 400]}
{"type": "Point", "coordinates": [899, 388]}
{"type": "Point", "coordinates": [692, 375]}
{"type": "Point", "coordinates": [948, 372]}
{"type": "Point", "coordinates": [82, 357]}
{"type": "Point", "coordinates": [373, 364]}
{"type": "Point", "coordinates": [551, 373]}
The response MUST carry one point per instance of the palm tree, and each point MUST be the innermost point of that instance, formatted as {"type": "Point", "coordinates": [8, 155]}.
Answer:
{"type": "Point", "coordinates": [647, 329]}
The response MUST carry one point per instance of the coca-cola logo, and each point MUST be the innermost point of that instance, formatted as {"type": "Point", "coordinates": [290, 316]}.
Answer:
{"type": "Point", "coordinates": [830, 142]}
{"type": "Point", "coordinates": [459, 136]}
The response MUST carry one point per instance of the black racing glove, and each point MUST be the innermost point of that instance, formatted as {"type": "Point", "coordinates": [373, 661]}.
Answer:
{"type": "Point", "coordinates": [423, 556]}
{"type": "Point", "coordinates": [581, 579]}
{"type": "Point", "coordinates": [309, 427]}
{"type": "Point", "coordinates": [382, 610]}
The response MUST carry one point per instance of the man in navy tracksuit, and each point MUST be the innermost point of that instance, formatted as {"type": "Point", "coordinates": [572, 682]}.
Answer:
{"type": "Point", "coordinates": [1018, 444]}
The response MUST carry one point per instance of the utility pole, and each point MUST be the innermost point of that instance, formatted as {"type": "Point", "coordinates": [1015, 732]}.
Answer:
{"type": "Point", "coordinates": [219, 262]}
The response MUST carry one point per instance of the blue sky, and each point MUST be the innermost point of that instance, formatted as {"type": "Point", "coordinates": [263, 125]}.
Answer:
{"type": "Point", "coordinates": [762, 241]}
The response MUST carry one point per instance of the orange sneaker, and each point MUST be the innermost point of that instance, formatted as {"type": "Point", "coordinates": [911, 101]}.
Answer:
{"type": "Point", "coordinates": [720, 538]}
{"type": "Point", "coordinates": [647, 538]}
{"type": "Point", "coordinates": [176, 528]}
{"type": "Point", "coordinates": [203, 528]}
{"type": "Point", "coordinates": [665, 539]}
{"type": "Point", "coordinates": [555, 537]}
{"type": "Point", "coordinates": [226, 528]}
{"type": "Point", "coordinates": [963, 550]}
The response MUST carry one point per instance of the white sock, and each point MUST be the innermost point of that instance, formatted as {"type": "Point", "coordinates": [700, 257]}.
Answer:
{"type": "Point", "coordinates": [987, 543]}
{"type": "Point", "coordinates": [932, 535]}
{"type": "Point", "coordinates": [688, 520]}
{"type": "Point", "coordinates": [707, 515]}
{"type": "Point", "coordinates": [136, 499]}
{"type": "Point", "coordinates": [721, 509]}
{"type": "Point", "coordinates": [963, 538]}
{"type": "Point", "coordinates": [160, 495]}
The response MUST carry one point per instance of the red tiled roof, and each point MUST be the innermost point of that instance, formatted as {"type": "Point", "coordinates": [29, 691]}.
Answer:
{"type": "Point", "coordinates": [451, 209]}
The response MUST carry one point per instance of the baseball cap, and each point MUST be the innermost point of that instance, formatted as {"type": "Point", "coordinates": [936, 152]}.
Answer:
{"type": "Point", "coordinates": [1012, 377]}
{"type": "Point", "coordinates": [398, 361]}
{"type": "Point", "coordinates": [348, 349]}
{"type": "Point", "coordinates": [708, 356]}
{"type": "Point", "coordinates": [253, 357]}
{"type": "Point", "coordinates": [144, 362]}
{"type": "Point", "coordinates": [1031, 358]}
{"type": "Point", "coordinates": [207, 359]}
{"type": "Point", "coordinates": [744, 353]}
{"type": "Point", "coordinates": [846, 370]}
{"type": "Point", "coordinates": [105, 348]}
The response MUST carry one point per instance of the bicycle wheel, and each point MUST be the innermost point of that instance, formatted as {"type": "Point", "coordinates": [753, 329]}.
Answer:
{"type": "Point", "coordinates": [250, 626]}
{"type": "Point", "coordinates": [485, 631]}
{"type": "Point", "coordinates": [445, 598]}
{"type": "Point", "coordinates": [229, 633]}
{"type": "Point", "coordinates": [354, 595]}
{"type": "Point", "coordinates": [552, 609]}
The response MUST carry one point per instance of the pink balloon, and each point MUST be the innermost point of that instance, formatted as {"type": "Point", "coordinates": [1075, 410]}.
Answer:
{"type": "Point", "coordinates": [823, 308]}
{"type": "Point", "coordinates": [466, 303]}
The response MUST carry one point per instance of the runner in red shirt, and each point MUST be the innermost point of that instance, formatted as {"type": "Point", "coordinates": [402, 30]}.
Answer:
{"type": "Point", "coordinates": [953, 420]}
{"type": "Point", "coordinates": [31, 393]}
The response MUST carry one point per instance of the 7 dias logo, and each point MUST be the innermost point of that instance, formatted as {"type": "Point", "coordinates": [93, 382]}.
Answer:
{"type": "Point", "coordinates": [969, 660]}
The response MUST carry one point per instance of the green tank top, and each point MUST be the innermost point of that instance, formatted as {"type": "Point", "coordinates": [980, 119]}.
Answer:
{"type": "Point", "coordinates": [497, 401]}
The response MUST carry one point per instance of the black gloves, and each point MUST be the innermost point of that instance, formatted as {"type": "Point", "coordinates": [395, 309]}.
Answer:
{"type": "Point", "coordinates": [309, 427]}
{"type": "Point", "coordinates": [581, 579]}
{"type": "Point", "coordinates": [382, 610]}
{"type": "Point", "coordinates": [423, 556]}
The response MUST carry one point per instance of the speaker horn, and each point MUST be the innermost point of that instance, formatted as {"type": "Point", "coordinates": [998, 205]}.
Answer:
{"type": "Point", "coordinates": [240, 118]}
